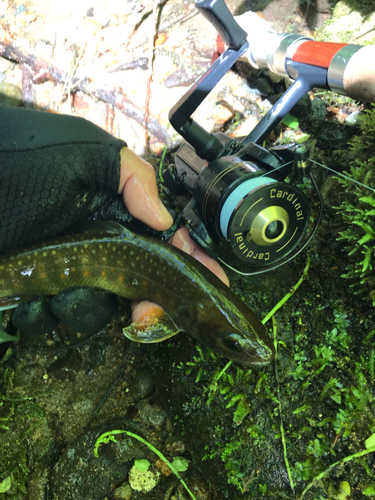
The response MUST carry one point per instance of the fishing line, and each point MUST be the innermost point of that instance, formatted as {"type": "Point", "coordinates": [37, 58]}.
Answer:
{"type": "Point", "coordinates": [344, 176]}
{"type": "Point", "coordinates": [276, 168]}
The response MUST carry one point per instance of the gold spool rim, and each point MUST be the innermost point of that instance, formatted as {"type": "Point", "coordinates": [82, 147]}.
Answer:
{"type": "Point", "coordinates": [263, 219]}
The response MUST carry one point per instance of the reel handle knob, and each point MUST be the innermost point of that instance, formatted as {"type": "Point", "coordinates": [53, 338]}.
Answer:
{"type": "Point", "coordinates": [217, 13]}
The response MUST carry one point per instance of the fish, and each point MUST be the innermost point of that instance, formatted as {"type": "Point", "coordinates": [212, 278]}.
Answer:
{"type": "Point", "coordinates": [110, 257]}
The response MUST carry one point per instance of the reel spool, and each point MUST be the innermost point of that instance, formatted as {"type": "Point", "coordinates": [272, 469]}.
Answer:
{"type": "Point", "coordinates": [267, 223]}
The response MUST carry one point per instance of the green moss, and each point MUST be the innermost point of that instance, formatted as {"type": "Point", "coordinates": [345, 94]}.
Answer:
{"type": "Point", "coordinates": [358, 211]}
{"type": "Point", "coordinates": [24, 436]}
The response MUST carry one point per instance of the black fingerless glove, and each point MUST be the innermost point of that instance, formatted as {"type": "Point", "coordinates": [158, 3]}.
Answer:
{"type": "Point", "coordinates": [55, 171]}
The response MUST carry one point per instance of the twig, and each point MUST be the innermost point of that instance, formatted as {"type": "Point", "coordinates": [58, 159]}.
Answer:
{"type": "Point", "coordinates": [43, 71]}
{"type": "Point", "coordinates": [67, 89]}
{"type": "Point", "coordinates": [136, 24]}
{"type": "Point", "coordinates": [155, 11]}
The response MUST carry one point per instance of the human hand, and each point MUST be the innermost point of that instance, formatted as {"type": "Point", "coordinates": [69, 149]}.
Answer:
{"type": "Point", "coordinates": [141, 197]}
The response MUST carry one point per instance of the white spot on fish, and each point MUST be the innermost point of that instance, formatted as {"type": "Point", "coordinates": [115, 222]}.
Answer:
{"type": "Point", "coordinates": [28, 271]}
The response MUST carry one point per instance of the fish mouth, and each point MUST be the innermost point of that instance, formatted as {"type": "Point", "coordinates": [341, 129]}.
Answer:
{"type": "Point", "coordinates": [260, 362]}
{"type": "Point", "coordinates": [256, 360]}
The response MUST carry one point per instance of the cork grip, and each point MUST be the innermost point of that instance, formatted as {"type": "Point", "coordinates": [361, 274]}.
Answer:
{"type": "Point", "coordinates": [359, 75]}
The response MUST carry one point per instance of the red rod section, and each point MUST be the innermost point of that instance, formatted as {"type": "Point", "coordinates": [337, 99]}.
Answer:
{"type": "Point", "coordinates": [317, 53]}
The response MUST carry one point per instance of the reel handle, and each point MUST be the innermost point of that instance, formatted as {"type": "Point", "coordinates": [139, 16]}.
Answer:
{"type": "Point", "coordinates": [217, 13]}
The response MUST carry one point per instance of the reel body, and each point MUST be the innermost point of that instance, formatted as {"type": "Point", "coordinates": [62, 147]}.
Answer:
{"type": "Point", "coordinates": [242, 210]}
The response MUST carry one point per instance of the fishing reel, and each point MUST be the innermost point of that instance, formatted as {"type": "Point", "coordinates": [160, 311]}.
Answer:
{"type": "Point", "coordinates": [247, 209]}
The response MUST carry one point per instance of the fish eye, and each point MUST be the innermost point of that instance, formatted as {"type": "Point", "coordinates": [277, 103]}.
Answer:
{"type": "Point", "coordinates": [232, 345]}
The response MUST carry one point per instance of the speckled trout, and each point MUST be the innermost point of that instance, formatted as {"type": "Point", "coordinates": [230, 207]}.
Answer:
{"type": "Point", "coordinates": [112, 258]}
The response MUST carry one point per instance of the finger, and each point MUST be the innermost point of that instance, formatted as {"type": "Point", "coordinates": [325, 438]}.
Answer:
{"type": "Point", "coordinates": [145, 309]}
{"type": "Point", "coordinates": [140, 191]}
{"type": "Point", "coordinates": [182, 240]}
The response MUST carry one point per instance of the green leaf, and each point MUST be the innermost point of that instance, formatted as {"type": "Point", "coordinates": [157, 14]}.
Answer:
{"type": "Point", "coordinates": [367, 237]}
{"type": "Point", "coordinates": [233, 400]}
{"type": "Point", "coordinates": [366, 260]}
{"type": "Point", "coordinates": [290, 121]}
{"type": "Point", "coordinates": [370, 442]}
{"type": "Point", "coordinates": [368, 199]}
{"type": "Point", "coordinates": [242, 410]}
{"type": "Point", "coordinates": [337, 398]}
{"type": "Point", "coordinates": [302, 138]}
{"type": "Point", "coordinates": [142, 464]}
{"type": "Point", "coordinates": [6, 484]}
{"type": "Point", "coordinates": [369, 491]}
{"type": "Point", "coordinates": [181, 464]}
{"type": "Point", "coordinates": [301, 408]}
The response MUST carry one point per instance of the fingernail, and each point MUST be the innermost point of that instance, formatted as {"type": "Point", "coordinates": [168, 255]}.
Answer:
{"type": "Point", "coordinates": [165, 212]}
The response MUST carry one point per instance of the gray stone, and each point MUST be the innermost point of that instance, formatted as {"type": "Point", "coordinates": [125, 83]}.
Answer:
{"type": "Point", "coordinates": [143, 384]}
{"type": "Point", "coordinates": [151, 414]}
{"type": "Point", "coordinates": [10, 95]}
{"type": "Point", "coordinates": [79, 474]}
{"type": "Point", "coordinates": [123, 492]}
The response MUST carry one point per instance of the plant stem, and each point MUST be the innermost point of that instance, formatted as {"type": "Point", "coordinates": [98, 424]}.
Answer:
{"type": "Point", "coordinates": [274, 327]}
{"type": "Point", "coordinates": [102, 437]}
{"type": "Point", "coordinates": [288, 295]}
{"type": "Point", "coordinates": [342, 461]}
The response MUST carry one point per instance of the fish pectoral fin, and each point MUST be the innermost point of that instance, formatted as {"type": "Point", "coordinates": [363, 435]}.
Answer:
{"type": "Point", "coordinates": [151, 329]}
{"type": "Point", "coordinates": [9, 302]}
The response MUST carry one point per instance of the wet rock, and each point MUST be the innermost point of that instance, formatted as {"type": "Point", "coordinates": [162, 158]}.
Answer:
{"type": "Point", "coordinates": [182, 78]}
{"type": "Point", "coordinates": [143, 480]}
{"type": "Point", "coordinates": [169, 487]}
{"type": "Point", "coordinates": [123, 492]}
{"type": "Point", "coordinates": [199, 488]}
{"type": "Point", "coordinates": [143, 384]}
{"type": "Point", "coordinates": [38, 483]}
{"type": "Point", "coordinates": [174, 445]}
{"type": "Point", "coordinates": [66, 366]}
{"type": "Point", "coordinates": [30, 376]}
{"type": "Point", "coordinates": [151, 414]}
{"type": "Point", "coordinates": [84, 309]}
{"type": "Point", "coordinates": [123, 449]}
{"type": "Point", "coordinates": [79, 474]}
{"type": "Point", "coordinates": [44, 50]}
{"type": "Point", "coordinates": [10, 95]}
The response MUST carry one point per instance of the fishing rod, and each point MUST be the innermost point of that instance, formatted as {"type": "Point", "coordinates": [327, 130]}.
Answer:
{"type": "Point", "coordinates": [243, 211]}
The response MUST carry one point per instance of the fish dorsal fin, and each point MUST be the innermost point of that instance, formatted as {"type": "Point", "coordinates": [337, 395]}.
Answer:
{"type": "Point", "coordinates": [152, 329]}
